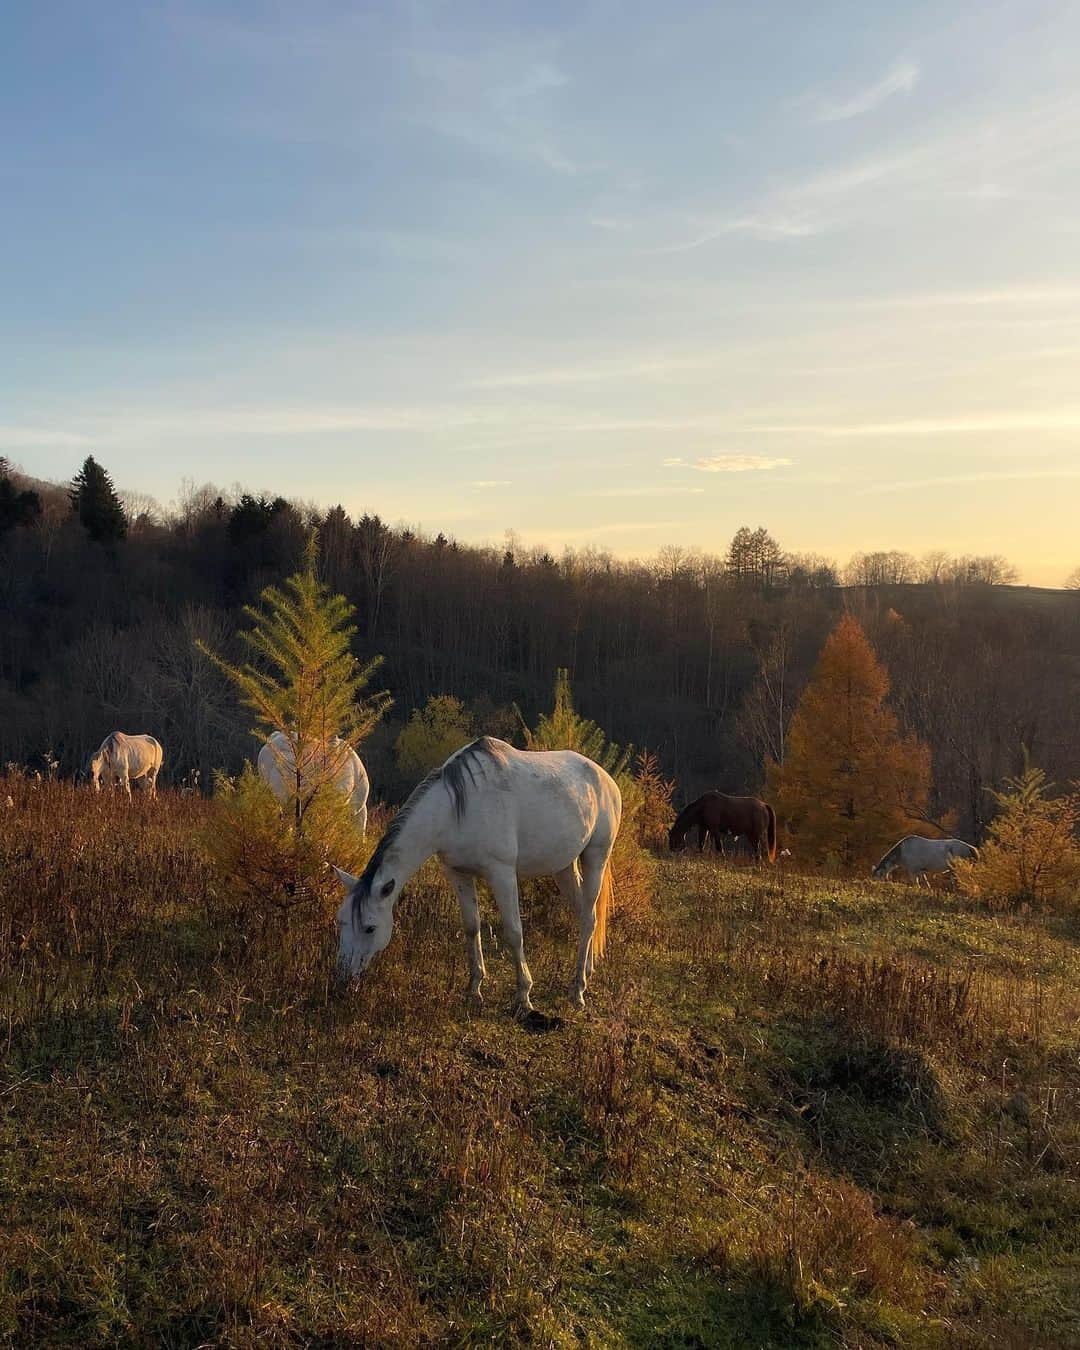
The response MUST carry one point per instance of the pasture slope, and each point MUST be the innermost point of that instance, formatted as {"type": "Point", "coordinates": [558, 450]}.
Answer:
{"type": "Point", "coordinates": [797, 1112]}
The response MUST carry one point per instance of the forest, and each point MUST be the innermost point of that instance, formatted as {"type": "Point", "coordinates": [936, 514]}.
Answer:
{"type": "Point", "coordinates": [699, 658]}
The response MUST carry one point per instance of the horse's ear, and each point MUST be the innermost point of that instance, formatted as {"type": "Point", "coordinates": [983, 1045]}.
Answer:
{"type": "Point", "coordinates": [346, 878]}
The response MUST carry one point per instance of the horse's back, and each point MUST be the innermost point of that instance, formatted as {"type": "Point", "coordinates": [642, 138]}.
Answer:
{"type": "Point", "coordinates": [138, 753]}
{"type": "Point", "coordinates": [276, 759]}
{"type": "Point", "coordinates": [919, 854]}
{"type": "Point", "coordinates": [548, 805]}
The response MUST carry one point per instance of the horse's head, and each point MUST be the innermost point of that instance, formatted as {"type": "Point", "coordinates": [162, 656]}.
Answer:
{"type": "Point", "coordinates": [366, 917]}
{"type": "Point", "coordinates": [676, 839]}
{"type": "Point", "coordinates": [880, 871]}
{"type": "Point", "coordinates": [94, 767]}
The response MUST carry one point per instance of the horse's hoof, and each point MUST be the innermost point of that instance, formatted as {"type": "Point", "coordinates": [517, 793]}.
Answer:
{"type": "Point", "coordinates": [537, 1021]}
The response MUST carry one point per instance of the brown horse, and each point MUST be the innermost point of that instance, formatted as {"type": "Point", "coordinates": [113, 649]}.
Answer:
{"type": "Point", "coordinates": [715, 814]}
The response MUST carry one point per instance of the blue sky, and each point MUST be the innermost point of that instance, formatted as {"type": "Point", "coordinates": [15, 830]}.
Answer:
{"type": "Point", "coordinates": [613, 273]}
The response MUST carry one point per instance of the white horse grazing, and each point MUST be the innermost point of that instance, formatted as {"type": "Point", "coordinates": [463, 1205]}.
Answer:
{"type": "Point", "coordinates": [920, 857]}
{"type": "Point", "coordinates": [125, 760]}
{"type": "Point", "coordinates": [498, 813]}
{"type": "Point", "coordinates": [339, 764]}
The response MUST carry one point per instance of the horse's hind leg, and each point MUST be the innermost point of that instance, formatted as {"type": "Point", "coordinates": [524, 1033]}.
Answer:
{"type": "Point", "coordinates": [573, 890]}
{"type": "Point", "coordinates": [504, 887]}
{"type": "Point", "coordinates": [465, 890]}
{"type": "Point", "coordinates": [592, 880]}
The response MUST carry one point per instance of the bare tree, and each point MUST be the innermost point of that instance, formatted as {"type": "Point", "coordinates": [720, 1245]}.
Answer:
{"type": "Point", "coordinates": [766, 711]}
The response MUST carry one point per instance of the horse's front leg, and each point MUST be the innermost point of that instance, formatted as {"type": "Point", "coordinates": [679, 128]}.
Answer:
{"type": "Point", "coordinates": [702, 836]}
{"type": "Point", "coordinates": [504, 886]}
{"type": "Point", "coordinates": [465, 890]}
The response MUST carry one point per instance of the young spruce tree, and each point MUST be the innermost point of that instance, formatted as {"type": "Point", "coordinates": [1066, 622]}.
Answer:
{"type": "Point", "coordinates": [1032, 853]}
{"type": "Point", "coordinates": [565, 729]}
{"type": "Point", "coordinates": [303, 680]}
{"type": "Point", "coordinates": [95, 501]}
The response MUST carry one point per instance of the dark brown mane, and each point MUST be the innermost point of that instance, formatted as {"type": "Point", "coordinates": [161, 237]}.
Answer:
{"type": "Point", "coordinates": [457, 775]}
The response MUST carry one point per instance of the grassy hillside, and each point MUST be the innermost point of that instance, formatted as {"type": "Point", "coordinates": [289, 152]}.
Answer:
{"type": "Point", "coordinates": [796, 1113]}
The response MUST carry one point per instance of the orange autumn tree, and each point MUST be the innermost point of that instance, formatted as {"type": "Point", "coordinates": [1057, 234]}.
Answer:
{"type": "Point", "coordinates": [851, 784]}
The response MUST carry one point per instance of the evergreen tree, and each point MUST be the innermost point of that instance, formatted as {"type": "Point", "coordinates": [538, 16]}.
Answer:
{"type": "Point", "coordinates": [303, 680]}
{"type": "Point", "coordinates": [850, 784]}
{"type": "Point", "coordinates": [95, 501]}
{"type": "Point", "coordinates": [1031, 852]}
{"type": "Point", "coordinates": [16, 508]}
{"type": "Point", "coordinates": [253, 516]}
{"type": "Point", "coordinates": [564, 729]}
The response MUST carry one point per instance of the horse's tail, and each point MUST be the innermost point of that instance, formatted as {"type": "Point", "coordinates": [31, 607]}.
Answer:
{"type": "Point", "coordinates": [604, 903]}
{"type": "Point", "coordinates": [770, 831]}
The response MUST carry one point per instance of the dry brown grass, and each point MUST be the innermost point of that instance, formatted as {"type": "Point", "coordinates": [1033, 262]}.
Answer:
{"type": "Point", "coordinates": [796, 1113]}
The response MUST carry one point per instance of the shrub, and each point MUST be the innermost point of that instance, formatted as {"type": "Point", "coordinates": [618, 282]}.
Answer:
{"type": "Point", "coordinates": [563, 728]}
{"type": "Point", "coordinates": [431, 735]}
{"type": "Point", "coordinates": [656, 814]}
{"type": "Point", "coordinates": [264, 863]}
{"type": "Point", "coordinates": [1032, 853]}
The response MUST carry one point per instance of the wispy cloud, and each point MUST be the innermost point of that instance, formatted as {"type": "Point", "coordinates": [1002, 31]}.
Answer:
{"type": "Point", "coordinates": [628, 368]}
{"type": "Point", "coordinates": [465, 95]}
{"type": "Point", "coordinates": [901, 79]}
{"type": "Point", "coordinates": [765, 225]}
{"type": "Point", "coordinates": [39, 438]}
{"type": "Point", "coordinates": [979, 476]}
{"type": "Point", "coordinates": [729, 463]}
{"type": "Point", "coordinates": [645, 492]}
{"type": "Point", "coordinates": [583, 535]}
{"type": "Point", "coordinates": [1062, 420]}
{"type": "Point", "coordinates": [613, 224]}
{"type": "Point", "coordinates": [483, 483]}
{"type": "Point", "coordinates": [1034, 295]}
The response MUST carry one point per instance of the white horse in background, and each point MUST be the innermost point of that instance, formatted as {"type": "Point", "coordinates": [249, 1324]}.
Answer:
{"type": "Point", "coordinates": [338, 764]}
{"type": "Point", "coordinates": [920, 857]}
{"type": "Point", "coordinates": [498, 813]}
{"type": "Point", "coordinates": [125, 760]}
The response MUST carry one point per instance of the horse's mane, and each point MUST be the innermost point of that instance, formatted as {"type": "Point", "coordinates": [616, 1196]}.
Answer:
{"type": "Point", "coordinates": [457, 775]}
{"type": "Point", "coordinates": [109, 746]}
{"type": "Point", "coordinates": [686, 816]}
{"type": "Point", "coordinates": [895, 850]}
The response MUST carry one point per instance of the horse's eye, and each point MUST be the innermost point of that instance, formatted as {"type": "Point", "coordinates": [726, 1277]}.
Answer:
{"type": "Point", "coordinates": [369, 929]}
{"type": "Point", "coordinates": [388, 888]}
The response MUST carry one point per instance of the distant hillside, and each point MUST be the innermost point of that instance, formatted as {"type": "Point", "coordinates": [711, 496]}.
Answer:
{"type": "Point", "coordinates": [699, 658]}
